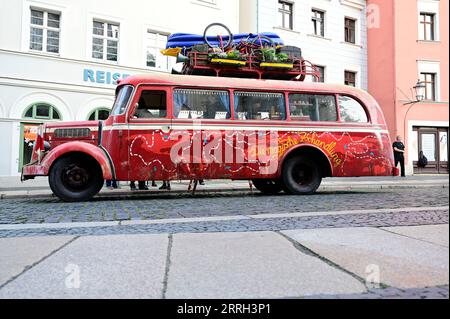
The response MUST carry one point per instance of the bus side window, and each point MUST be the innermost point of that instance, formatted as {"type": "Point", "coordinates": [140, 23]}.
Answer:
{"type": "Point", "coordinates": [152, 104]}
{"type": "Point", "coordinates": [312, 107]}
{"type": "Point", "coordinates": [201, 104]}
{"type": "Point", "coordinates": [351, 110]}
{"type": "Point", "coordinates": [259, 106]}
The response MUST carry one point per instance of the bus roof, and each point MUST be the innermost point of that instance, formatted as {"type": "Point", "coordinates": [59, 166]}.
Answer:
{"type": "Point", "coordinates": [159, 78]}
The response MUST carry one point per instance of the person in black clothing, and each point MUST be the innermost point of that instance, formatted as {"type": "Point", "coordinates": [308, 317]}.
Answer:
{"type": "Point", "coordinates": [399, 154]}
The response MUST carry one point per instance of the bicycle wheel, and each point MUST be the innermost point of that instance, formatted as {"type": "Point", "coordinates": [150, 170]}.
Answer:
{"type": "Point", "coordinates": [224, 45]}
{"type": "Point", "coordinates": [262, 41]}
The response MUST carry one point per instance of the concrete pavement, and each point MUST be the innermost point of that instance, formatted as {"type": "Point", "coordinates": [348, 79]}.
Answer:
{"type": "Point", "coordinates": [12, 187]}
{"type": "Point", "coordinates": [289, 264]}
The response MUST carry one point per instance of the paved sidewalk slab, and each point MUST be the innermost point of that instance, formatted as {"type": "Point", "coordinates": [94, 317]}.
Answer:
{"type": "Point", "coordinates": [402, 262]}
{"type": "Point", "coordinates": [16, 254]}
{"type": "Point", "coordinates": [249, 265]}
{"type": "Point", "coordinates": [118, 266]}
{"type": "Point", "coordinates": [436, 234]}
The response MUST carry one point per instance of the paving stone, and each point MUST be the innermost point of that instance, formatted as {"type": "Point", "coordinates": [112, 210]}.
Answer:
{"type": "Point", "coordinates": [107, 267]}
{"type": "Point", "coordinates": [249, 265]}
{"type": "Point", "coordinates": [437, 234]}
{"type": "Point", "coordinates": [400, 261]}
{"type": "Point", "coordinates": [17, 254]}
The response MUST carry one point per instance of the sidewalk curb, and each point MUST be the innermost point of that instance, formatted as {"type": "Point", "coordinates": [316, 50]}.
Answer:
{"type": "Point", "coordinates": [244, 190]}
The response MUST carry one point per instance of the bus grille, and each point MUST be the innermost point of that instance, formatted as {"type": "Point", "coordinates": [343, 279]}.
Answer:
{"type": "Point", "coordinates": [72, 133]}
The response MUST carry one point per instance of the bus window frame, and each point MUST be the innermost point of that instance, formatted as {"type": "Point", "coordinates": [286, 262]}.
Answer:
{"type": "Point", "coordinates": [151, 87]}
{"type": "Point", "coordinates": [336, 95]}
{"type": "Point", "coordinates": [368, 114]}
{"type": "Point", "coordinates": [286, 104]}
{"type": "Point", "coordinates": [200, 88]}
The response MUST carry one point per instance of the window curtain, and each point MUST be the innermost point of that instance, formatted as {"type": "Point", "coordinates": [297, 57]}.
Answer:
{"type": "Point", "coordinates": [180, 98]}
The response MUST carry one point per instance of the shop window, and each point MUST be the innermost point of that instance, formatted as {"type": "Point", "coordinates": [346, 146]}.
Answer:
{"type": "Point", "coordinates": [99, 114]}
{"type": "Point", "coordinates": [42, 111]}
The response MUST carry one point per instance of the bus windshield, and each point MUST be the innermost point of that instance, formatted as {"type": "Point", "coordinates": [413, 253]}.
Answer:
{"type": "Point", "coordinates": [122, 98]}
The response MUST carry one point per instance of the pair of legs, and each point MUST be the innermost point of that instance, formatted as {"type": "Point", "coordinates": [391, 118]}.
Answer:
{"type": "Point", "coordinates": [141, 185]}
{"type": "Point", "coordinates": [165, 185]}
{"type": "Point", "coordinates": [400, 160]}
{"type": "Point", "coordinates": [111, 183]}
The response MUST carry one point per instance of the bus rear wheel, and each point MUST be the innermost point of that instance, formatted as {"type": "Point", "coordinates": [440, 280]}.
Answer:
{"type": "Point", "coordinates": [301, 176]}
{"type": "Point", "coordinates": [75, 178]}
{"type": "Point", "coordinates": [268, 186]}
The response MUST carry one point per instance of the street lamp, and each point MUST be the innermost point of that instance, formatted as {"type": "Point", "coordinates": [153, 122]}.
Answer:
{"type": "Point", "coordinates": [419, 90]}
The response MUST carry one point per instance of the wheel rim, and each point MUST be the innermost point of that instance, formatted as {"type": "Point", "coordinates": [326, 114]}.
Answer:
{"type": "Point", "coordinates": [75, 177]}
{"type": "Point", "coordinates": [303, 174]}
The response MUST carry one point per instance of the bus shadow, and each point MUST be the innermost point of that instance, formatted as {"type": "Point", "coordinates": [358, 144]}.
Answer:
{"type": "Point", "coordinates": [175, 196]}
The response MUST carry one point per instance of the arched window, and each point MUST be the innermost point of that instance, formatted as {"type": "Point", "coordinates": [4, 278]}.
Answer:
{"type": "Point", "coordinates": [99, 114]}
{"type": "Point", "coordinates": [42, 111]}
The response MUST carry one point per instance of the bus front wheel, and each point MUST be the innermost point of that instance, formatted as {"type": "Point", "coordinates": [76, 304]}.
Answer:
{"type": "Point", "coordinates": [268, 186]}
{"type": "Point", "coordinates": [301, 176]}
{"type": "Point", "coordinates": [75, 178]}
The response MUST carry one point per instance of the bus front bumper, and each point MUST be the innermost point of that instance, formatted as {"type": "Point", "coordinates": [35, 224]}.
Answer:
{"type": "Point", "coordinates": [32, 170]}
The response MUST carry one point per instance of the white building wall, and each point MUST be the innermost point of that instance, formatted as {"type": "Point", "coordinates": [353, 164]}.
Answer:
{"type": "Point", "coordinates": [330, 51]}
{"type": "Point", "coordinates": [28, 77]}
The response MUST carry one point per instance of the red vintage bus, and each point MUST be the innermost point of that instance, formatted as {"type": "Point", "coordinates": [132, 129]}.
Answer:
{"type": "Point", "coordinates": [282, 135]}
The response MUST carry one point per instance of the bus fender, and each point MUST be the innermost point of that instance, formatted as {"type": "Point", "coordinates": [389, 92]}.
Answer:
{"type": "Point", "coordinates": [80, 147]}
{"type": "Point", "coordinates": [299, 148]}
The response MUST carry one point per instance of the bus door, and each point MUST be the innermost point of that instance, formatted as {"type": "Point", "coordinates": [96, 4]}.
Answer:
{"type": "Point", "coordinates": [149, 135]}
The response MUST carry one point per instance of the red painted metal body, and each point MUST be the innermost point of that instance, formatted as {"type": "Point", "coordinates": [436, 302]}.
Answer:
{"type": "Point", "coordinates": [140, 149]}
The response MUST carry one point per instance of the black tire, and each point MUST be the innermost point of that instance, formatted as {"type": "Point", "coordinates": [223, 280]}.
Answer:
{"type": "Point", "coordinates": [301, 176]}
{"type": "Point", "coordinates": [268, 186]}
{"type": "Point", "coordinates": [75, 178]}
{"type": "Point", "coordinates": [230, 35]}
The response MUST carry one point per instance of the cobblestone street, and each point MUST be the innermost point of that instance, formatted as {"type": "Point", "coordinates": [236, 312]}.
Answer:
{"type": "Point", "coordinates": [157, 206]}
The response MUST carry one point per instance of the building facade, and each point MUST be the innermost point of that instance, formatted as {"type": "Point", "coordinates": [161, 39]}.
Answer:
{"type": "Point", "coordinates": [331, 33]}
{"type": "Point", "coordinates": [60, 59]}
{"type": "Point", "coordinates": [407, 42]}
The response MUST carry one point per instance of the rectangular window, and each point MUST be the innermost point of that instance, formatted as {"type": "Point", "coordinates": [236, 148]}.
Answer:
{"type": "Point", "coordinates": [427, 25]}
{"type": "Point", "coordinates": [318, 20]}
{"type": "Point", "coordinates": [311, 107]}
{"type": "Point", "coordinates": [152, 104]}
{"type": "Point", "coordinates": [350, 78]}
{"type": "Point", "coordinates": [44, 31]}
{"type": "Point", "coordinates": [259, 106]}
{"type": "Point", "coordinates": [350, 30]}
{"type": "Point", "coordinates": [321, 78]}
{"type": "Point", "coordinates": [155, 42]}
{"type": "Point", "coordinates": [429, 79]}
{"type": "Point", "coordinates": [285, 14]}
{"type": "Point", "coordinates": [105, 40]}
{"type": "Point", "coordinates": [201, 104]}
